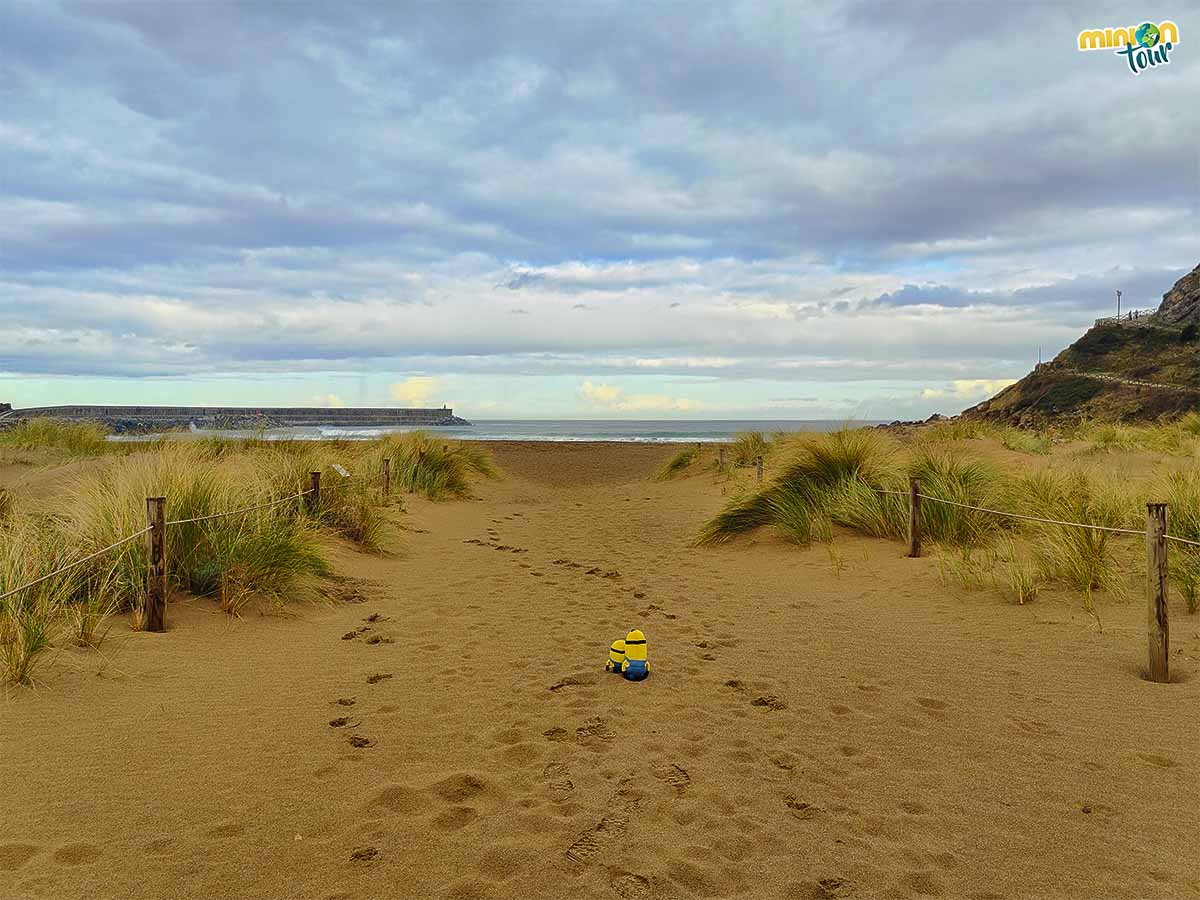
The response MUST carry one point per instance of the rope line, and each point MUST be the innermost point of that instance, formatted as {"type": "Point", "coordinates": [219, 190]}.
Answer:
{"type": "Point", "coordinates": [1009, 515]}
{"type": "Point", "coordinates": [234, 512]}
{"type": "Point", "coordinates": [997, 512]}
{"type": "Point", "coordinates": [1171, 537]}
{"type": "Point", "coordinates": [78, 562]}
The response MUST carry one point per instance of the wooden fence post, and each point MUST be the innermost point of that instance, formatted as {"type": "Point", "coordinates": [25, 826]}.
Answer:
{"type": "Point", "coordinates": [314, 497]}
{"type": "Point", "coordinates": [721, 457]}
{"type": "Point", "coordinates": [1156, 591]}
{"type": "Point", "coordinates": [387, 477]}
{"type": "Point", "coordinates": [914, 518]}
{"type": "Point", "coordinates": [759, 465]}
{"type": "Point", "coordinates": [156, 564]}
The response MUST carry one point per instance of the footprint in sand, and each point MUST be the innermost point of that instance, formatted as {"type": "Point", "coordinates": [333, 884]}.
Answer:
{"type": "Point", "coordinates": [161, 846]}
{"type": "Point", "coordinates": [1163, 762]}
{"type": "Point", "coordinates": [573, 681]}
{"type": "Point", "coordinates": [375, 679]}
{"type": "Point", "coordinates": [13, 856]}
{"type": "Point", "coordinates": [358, 741]}
{"type": "Point", "coordinates": [768, 701]}
{"type": "Point", "coordinates": [676, 776]}
{"type": "Point", "coordinates": [455, 818]}
{"type": "Point", "coordinates": [625, 801]}
{"type": "Point", "coordinates": [801, 809]}
{"type": "Point", "coordinates": [932, 705]}
{"type": "Point", "coordinates": [558, 781]}
{"type": "Point", "coordinates": [594, 734]}
{"type": "Point", "coordinates": [344, 701]}
{"type": "Point", "coordinates": [924, 883]}
{"type": "Point", "coordinates": [630, 886]}
{"type": "Point", "coordinates": [555, 734]}
{"type": "Point", "coordinates": [364, 854]}
{"type": "Point", "coordinates": [592, 841]}
{"type": "Point", "coordinates": [400, 799]}
{"type": "Point", "coordinates": [77, 854]}
{"type": "Point", "coordinates": [340, 722]}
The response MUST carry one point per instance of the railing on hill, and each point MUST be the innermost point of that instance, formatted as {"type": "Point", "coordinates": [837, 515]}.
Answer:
{"type": "Point", "coordinates": [155, 531]}
{"type": "Point", "coordinates": [1133, 317]}
{"type": "Point", "coordinates": [1156, 561]}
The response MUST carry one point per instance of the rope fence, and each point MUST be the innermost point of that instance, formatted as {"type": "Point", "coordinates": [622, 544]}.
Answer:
{"type": "Point", "coordinates": [157, 523]}
{"type": "Point", "coordinates": [236, 512]}
{"type": "Point", "coordinates": [1157, 539]}
{"type": "Point", "coordinates": [78, 562]}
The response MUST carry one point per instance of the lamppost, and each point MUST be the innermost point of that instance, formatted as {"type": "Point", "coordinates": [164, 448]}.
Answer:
{"type": "Point", "coordinates": [1118, 304]}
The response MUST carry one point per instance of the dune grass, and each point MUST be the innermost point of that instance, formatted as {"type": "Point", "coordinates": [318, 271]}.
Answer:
{"type": "Point", "coordinates": [1181, 492]}
{"type": "Point", "coordinates": [678, 463]}
{"type": "Point", "coordinates": [746, 448]}
{"type": "Point", "coordinates": [852, 478]}
{"type": "Point", "coordinates": [1078, 557]}
{"type": "Point", "coordinates": [1024, 441]}
{"type": "Point", "coordinates": [796, 498]}
{"type": "Point", "coordinates": [434, 468]}
{"type": "Point", "coordinates": [262, 552]}
{"type": "Point", "coordinates": [31, 620]}
{"type": "Point", "coordinates": [76, 438]}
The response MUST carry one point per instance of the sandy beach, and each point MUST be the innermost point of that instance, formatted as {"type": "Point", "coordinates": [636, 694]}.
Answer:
{"type": "Point", "coordinates": [819, 723]}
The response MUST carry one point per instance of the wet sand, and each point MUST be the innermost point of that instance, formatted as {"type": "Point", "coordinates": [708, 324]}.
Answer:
{"type": "Point", "coordinates": [819, 723]}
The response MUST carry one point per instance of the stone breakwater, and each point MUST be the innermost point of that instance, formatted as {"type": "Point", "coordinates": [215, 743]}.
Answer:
{"type": "Point", "coordinates": [127, 419]}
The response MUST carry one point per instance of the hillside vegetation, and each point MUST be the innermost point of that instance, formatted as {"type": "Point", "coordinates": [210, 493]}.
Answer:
{"type": "Point", "coordinates": [1133, 371]}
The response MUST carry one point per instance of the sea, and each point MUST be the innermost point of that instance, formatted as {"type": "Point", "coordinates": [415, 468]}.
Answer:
{"type": "Point", "coordinates": [645, 431]}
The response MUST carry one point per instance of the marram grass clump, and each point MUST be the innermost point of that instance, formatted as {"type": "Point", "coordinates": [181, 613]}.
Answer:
{"type": "Point", "coordinates": [853, 479]}
{"type": "Point", "coordinates": [678, 463]}
{"type": "Point", "coordinates": [1079, 557]}
{"type": "Point", "coordinates": [796, 500]}
{"type": "Point", "coordinates": [436, 469]}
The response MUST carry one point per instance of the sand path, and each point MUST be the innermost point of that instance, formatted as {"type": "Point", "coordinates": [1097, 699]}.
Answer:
{"type": "Point", "coordinates": [816, 725]}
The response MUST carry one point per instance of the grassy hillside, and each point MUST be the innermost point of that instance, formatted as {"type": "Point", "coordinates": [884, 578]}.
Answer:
{"type": "Point", "coordinates": [1094, 379]}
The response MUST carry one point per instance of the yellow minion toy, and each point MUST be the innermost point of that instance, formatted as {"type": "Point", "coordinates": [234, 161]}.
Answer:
{"type": "Point", "coordinates": [635, 667]}
{"type": "Point", "coordinates": [616, 657]}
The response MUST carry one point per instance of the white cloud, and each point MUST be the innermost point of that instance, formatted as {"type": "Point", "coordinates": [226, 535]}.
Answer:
{"type": "Point", "coordinates": [328, 401]}
{"type": "Point", "coordinates": [968, 389]}
{"type": "Point", "coordinates": [415, 391]}
{"type": "Point", "coordinates": [607, 396]}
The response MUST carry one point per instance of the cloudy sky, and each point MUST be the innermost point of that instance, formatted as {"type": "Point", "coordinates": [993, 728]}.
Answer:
{"type": "Point", "coordinates": [578, 209]}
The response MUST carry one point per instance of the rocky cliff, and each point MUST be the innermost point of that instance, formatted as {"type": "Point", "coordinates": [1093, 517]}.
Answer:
{"type": "Point", "coordinates": [1181, 304]}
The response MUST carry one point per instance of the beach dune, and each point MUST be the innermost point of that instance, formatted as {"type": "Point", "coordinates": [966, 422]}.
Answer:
{"type": "Point", "coordinates": [819, 722]}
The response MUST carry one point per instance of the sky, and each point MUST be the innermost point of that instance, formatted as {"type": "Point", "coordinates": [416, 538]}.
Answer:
{"type": "Point", "coordinates": [846, 210]}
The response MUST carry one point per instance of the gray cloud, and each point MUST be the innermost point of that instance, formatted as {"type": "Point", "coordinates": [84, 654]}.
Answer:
{"type": "Point", "coordinates": [806, 194]}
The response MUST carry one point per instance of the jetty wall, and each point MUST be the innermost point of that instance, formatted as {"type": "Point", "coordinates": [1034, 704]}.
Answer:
{"type": "Point", "coordinates": [143, 418]}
